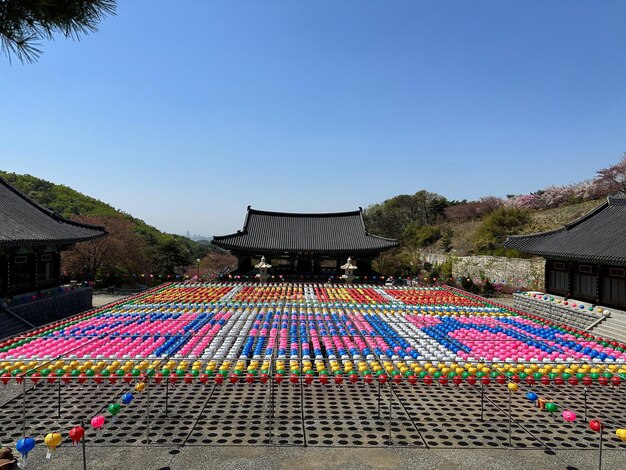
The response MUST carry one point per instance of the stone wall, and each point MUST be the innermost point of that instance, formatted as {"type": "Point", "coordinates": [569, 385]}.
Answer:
{"type": "Point", "coordinates": [55, 307]}
{"type": "Point", "coordinates": [511, 271]}
{"type": "Point", "coordinates": [578, 318]}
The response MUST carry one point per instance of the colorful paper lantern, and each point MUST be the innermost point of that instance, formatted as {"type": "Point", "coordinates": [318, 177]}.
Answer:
{"type": "Point", "coordinates": [52, 441]}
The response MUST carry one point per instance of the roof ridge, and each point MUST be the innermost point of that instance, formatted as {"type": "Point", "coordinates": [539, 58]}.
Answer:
{"type": "Point", "coordinates": [49, 212]}
{"type": "Point", "coordinates": [589, 214]}
{"type": "Point", "coordinates": [304, 214]}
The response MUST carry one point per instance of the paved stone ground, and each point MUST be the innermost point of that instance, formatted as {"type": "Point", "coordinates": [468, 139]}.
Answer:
{"type": "Point", "coordinates": [261, 458]}
{"type": "Point", "coordinates": [338, 426]}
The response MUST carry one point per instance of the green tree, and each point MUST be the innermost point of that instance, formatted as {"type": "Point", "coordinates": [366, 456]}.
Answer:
{"type": "Point", "coordinates": [25, 23]}
{"type": "Point", "coordinates": [496, 227]}
{"type": "Point", "coordinates": [427, 235]}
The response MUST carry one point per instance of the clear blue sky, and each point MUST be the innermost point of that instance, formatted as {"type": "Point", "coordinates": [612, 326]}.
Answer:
{"type": "Point", "coordinates": [183, 113]}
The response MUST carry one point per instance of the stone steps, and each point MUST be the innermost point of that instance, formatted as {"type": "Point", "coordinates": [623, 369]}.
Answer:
{"type": "Point", "coordinates": [581, 319]}
{"type": "Point", "coordinates": [9, 325]}
{"type": "Point", "coordinates": [613, 327]}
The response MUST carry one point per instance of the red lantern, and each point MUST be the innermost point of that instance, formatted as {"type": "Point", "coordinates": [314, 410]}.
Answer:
{"type": "Point", "coordinates": [530, 380]}
{"type": "Point", "coordinates": [457, 379]}
{"type": "Point", "coordinates": [443, 380]}
{"type": "Point", "coordinates": [323, 379]}
{"type": "Point", "coordinates": [76, 434]}
{"type": "Point", "coordinates": [596, 425]}
{"type": "Point", "coordinates": [412, 379]}
{"type": "Point", "coordinates": [35, 377]}
{"type": "Point", "coordinates": [368, 378]}
{"type": "Point", "coordinates": [383, 378]}
{"type": "Point", "coordinates": [559, 380]}
{"type": "Point", "coordinates": [234, 378]}
{"type": "Point", "coordinates": [587, 381]}
{"type": "Point", "coordinates": [397, 379]}
{"type": "Point", "coordinates": [338, 379]}
{"type": "Point", "coordinates": [602, 380]}
{"type": "Point", "coordinates": [67, 378]}
{"type": "Point", "coordinates": [573, 381]}
{"type": "Point", "coordinates": [616, 381]}
{"type": "Point", "coordinates": [264, 378]}
{"type": "Point", "coordinates": [428, 380]}
{"type": "Point", "coordinates": [294, 378]}
{"type": "Point", "coordinates": [219, 379]}
{"type": "Point", "coordinates": [5, 378]}
{"type": "Point", "coordinates": [278, 378]}
{"type": "Point", "coordinates": [308, 378]}
{"type": "Point", "coordinates": [158, 377]}
{"type": "Point", "coordinates": [501, 379]}
{"type": "Point", "coordinates": [545, 380]}
{"type": "Point", "coordinates": [203, 378]}
{"type": "Point", "coordinates": [485, 380]}
{"type": "Point", "coordinates": [471, 379]}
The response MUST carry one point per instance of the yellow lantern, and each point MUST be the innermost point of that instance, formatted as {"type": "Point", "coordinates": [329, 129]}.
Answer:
{"type": "Point", "coordinates": [52, 441]}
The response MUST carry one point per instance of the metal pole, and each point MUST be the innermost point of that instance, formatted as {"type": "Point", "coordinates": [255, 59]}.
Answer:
{"type": "Point", "coordinates": [390, 398]}
{"type": "Point", "coordinates": [59, 398]}
{"type": "Point", "coordinates": [510, 419]}
{"type": "Point", "coordinates": [271, 405]}
{"type": "Point", "coordinates": [378, 400]}
{"type": "Point", "coordinates": [147, 413]}
{"type": "Point", "coordinates": [585, 396]}
{"type": "Point", "coordinates": [82, 424]}
{"type": "Point", "coordinates": [600, 459]}
{"type": "Point", "coordinates": [167, 392]}
{"type": "Point", "coordinates": [23, 406]}
{"type": "Point", "coordinates": [482, 402]}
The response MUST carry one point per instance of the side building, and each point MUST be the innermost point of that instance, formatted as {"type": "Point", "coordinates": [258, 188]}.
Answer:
{"type": "Point", "coordinates": [31, 240]}
{"type": "Point", "coordinates": [585, 259]}
{"type": "Point", "coordinates": [304, 243]}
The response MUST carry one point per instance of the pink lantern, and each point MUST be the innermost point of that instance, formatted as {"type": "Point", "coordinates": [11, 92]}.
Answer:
{"type": "Point", "coordinates": [97, 422]}
{"type": "Point", "coordinates": [569, 415]}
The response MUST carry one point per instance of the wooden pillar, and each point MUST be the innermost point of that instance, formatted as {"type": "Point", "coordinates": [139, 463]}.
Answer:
{"type": "Point", "coordinates": [570, 270]}
{"type": "Point", "coordinates": [546, 276]}
{"type": "Point", "coordinates": [599, 284]}
{"type": "Point", "coordinates": [4, 275]}
{"type": "Point", "coordinates": [36, 269]}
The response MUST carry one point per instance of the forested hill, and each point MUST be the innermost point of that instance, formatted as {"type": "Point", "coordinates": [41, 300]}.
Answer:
{"type": "Point", "coordinates": [133, 246]}
{"type": "Point", "coordinates": [429, 221]}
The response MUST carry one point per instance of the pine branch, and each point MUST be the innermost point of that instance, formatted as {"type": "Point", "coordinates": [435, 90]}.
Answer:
{"type": "Point", "coordinates": [24, 23]}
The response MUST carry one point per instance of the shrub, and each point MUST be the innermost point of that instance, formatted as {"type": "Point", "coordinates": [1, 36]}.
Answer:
{"type": "Point", "coordinates": [496, 227]}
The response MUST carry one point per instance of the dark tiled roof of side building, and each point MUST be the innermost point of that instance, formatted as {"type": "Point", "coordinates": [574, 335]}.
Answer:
{"type": "Point", "coordinates": [23, 222]}
{"type": "Point", "coordinates": [597, 237]}
{"type": "Point", "coordinates": [339, 232]}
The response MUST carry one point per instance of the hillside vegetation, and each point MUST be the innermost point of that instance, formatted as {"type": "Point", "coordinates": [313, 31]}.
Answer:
{"type": "Point", "coordinates": [133, 250]}
{"type": "Point", "coordinates": [427, 221]}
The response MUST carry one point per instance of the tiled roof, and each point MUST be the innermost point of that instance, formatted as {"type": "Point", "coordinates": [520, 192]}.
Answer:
{"type": "Point", "coordinates": [598, 237]}
{"type": "Point", "coordinates": [24, 222]}
{"type": "Point", "coordinates": [340, 232]}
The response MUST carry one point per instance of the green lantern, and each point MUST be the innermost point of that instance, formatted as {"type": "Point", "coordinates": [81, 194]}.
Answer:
{"type": "Point", "coordinates": [551, 407]}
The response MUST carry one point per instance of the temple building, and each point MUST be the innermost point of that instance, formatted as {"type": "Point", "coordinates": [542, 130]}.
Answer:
{"type": "Point", "coordinates": [586, 259]}
{"type": "Point", "coordinates": [31, 239]}
{"type": "Point", "coordinates": [304, 243]}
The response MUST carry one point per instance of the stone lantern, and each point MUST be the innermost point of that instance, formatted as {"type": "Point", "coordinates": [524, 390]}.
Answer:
{"type": "Point", "coordinates": [263, 266]}
{"type": "Point", "coordinates": [348, 270]}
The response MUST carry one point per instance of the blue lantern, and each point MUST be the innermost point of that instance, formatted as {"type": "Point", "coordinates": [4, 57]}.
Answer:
{"type": "Point", "coordinates": [24, 446]}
